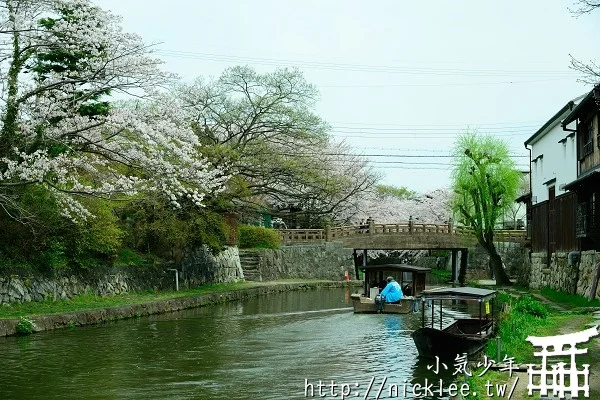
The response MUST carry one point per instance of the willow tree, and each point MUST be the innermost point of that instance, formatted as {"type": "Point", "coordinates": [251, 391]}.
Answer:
{"type": "Point", "coordinates": [485, 183]}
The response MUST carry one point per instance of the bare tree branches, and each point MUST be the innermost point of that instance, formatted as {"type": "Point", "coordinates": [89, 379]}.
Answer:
{"type": "Point", "coordinates": [590, 71]}
{"type": "Point", "coordinates": [584, 7]}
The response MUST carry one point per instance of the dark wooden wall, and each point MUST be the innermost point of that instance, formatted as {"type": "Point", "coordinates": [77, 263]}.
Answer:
{"type": "Point", "coordinates": [553, 228]}
{"type": "Point", "coordinates": [539, 227]}
{"type": "Point", "coordinates": [564, 222]}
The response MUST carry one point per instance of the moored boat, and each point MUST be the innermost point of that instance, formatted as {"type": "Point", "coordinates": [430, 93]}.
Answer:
{"type": "Point", "coordinates": [410, 277]}
{"type": "Point", "coordinates": [464, 335]}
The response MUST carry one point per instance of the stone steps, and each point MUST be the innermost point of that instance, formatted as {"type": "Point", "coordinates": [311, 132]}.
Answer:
{"type": "Point", "coordinates": [250, 263]}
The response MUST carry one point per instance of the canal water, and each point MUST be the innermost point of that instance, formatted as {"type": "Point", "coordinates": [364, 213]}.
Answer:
{"type": "Point", "coordinates": [278, 346]}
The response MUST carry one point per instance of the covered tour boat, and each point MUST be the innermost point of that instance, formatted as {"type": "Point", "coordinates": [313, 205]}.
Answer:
{"type": "Point", "coordinates": [410, 277]}
{"type": "Point", "coordinates": [464, 335]}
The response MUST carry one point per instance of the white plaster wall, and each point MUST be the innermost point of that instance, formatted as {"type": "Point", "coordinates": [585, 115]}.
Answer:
{"type": "Point", "coordinates": [559, 161]}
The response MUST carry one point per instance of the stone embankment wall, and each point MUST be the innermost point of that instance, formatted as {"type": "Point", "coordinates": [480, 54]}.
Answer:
{"type": "Point", "coordinates": [318, 261]}
{"type": "Point", "coordinates": [577, 278]}
{"type": "Point", "coordinates": [89, 317]}
{"type": "Point", "coordinates": [198, 267]}
{"type": "Point", "coordinates": [513, 255]}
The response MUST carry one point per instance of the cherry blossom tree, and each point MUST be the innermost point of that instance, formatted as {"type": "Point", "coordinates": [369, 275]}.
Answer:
{"type": "Point", "coordinates": [61, 60]}
{"type": "Point", "coordinates": [385, 208]}
{"type": "Point", "coordinates": [263, 131]}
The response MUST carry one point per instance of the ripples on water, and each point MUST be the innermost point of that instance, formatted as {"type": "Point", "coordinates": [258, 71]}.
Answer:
{"type": "Point", "coordinates": [261, 348]}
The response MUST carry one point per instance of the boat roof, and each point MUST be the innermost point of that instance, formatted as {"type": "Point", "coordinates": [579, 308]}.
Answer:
{"type": "Point", "coordinates": [464, 293]}
{"type": "Point", "coordinates": [396, 267]}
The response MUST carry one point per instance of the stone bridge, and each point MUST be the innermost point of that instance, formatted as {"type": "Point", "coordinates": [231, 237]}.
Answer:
{"type": "Point", "coordinates": [400, 236]}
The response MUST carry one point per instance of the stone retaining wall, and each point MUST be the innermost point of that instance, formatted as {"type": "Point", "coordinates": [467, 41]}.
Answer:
{"type": "Point", "coordinates": [90, 317]}
{"type": "Point", "coordinates": [316, 261]}
{"type": "Point", "coordinates": [478, 260]}
{"type": "Point", "coordinates": [560, 275]}
{"type": "Point", "coordinates": [199, 267]}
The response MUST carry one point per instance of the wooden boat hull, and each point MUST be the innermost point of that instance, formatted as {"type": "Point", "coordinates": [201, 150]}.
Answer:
{"type": "Point", "coordinates": [462, 337]}
{"type": "Point", "coordinates": [366, 305]}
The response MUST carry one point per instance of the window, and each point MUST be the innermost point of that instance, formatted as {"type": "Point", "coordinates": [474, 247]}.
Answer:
{"type": "Point", "coordinates": [587, 217]}
{"type": "Point", "coordinates": [586, 132]}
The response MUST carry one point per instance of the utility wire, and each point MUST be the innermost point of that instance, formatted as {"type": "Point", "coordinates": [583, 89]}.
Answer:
{"type": "Point", "coordinates": [367, 68]}
{"type": "Point", "coordinates": [442, 84]}
{"type": "Point", "coordinates": [519, 123]}
{"type": "Point", "coordinates": [377, 155]}
{"type": "Point", "coordinates": [415, 135]}
{"type": "Point", "coordinates": [521, 128]}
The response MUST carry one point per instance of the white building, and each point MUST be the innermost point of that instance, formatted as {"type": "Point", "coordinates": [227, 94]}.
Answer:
{"type": "Point", "coordinates": [553, 157]}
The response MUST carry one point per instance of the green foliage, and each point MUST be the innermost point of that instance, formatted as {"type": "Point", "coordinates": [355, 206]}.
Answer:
{"type": "Point", "coordinates": [442, 274]}
{"type": "Point", "coordinates": [258, 237]}
{"type": "Point", "coordinates": [152, 226]}
{"type": "Point", "coordinates": [485, 181]}
{"type": "Point", "coordinates": [127, 257]}
{"type": "Point", "coordinates": [524, 317]}
{"type": "Point", "coordinates": [400, 192]}
{"type": "Point", "coordinates": [528, 305]}
{"type": "Point", "coordinates": [47, 240]}
{"type": "Point", "coordinates": [25, 326]}
{"type": "Point", "coordinates": [99, 238]}
{"type": "Point", "coordinates": [516, 324]}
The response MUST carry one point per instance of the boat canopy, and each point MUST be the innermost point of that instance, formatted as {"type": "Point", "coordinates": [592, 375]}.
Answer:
{"type": "Point", "coordinates": [410, 277]}
{"type": "Point", "coordinates": [459, 293]}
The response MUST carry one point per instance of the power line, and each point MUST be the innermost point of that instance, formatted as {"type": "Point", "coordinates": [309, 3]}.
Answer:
{"type": "Point", "coordinates": [367, 68]}
{"type": "Point", "coordinates": [425, 168]}
{"type": "Point", "coordinates": [413, 149]}
{"type": "Point", "coordinates": [379, 155]}
{"type": "Point", "coordinates": [416, 136]}
{"type": "Point", "coordinates": [519, 128]}
{"type": "Point", "coordinates": [441, 84]}
{"type": "Point", "coordinates": [519, 123]}
{"type": "Point", "coordinates": [431, 132]}
{"type": "Point", "coordinates": [410, 163]}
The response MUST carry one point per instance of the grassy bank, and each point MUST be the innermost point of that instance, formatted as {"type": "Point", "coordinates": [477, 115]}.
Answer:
{"type": "Point", "coordinates": [93, 302]}
{"type": "Point", "coordinates": [523, 317]}
{"type": "Point", "coordinates": [567, 299]}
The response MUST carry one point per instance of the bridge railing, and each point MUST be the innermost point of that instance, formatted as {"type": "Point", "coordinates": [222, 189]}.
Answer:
{"type": "Point", "coordinates": [301, 235]}
{"type": "Point", "coordinates": [510, 235]}
{"type": "Point", "coordinates": [345, 231]}
{"type": "Point", "coordinates": [462, 230]}
{"type": "Point", "coordinates": [339, 232]}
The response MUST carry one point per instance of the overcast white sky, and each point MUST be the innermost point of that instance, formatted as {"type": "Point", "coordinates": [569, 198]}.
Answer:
{"type": "Point", "coordinates": [396, 78]}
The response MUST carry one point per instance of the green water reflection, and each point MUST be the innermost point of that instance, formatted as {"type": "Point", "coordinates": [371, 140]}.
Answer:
{"type": "Point", "coordinates": [261, 348]}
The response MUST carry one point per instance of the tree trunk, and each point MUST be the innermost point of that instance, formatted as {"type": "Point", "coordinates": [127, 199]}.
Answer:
{"type": "Point", "coordinates": [496, 264]}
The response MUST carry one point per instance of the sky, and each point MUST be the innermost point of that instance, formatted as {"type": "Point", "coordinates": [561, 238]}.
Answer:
{"type": "Point", "coordinates": [398, 80]}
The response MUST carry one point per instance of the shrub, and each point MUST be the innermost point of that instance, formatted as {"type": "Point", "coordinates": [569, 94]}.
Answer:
{"type": "Point", "coordinates": [25, 326]}
{"type": "Point", "coordinates": [49, 241]}
{"type": "Point", "coordinates": [528, 305]}
{"type": "Point", "coordinates": [258, 237]}
{"type": "Point", "coordinates": [151, 225]}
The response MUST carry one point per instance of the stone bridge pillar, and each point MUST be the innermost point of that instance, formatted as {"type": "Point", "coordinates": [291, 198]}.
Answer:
{"type": "Point", "coordinates": [454, 266]}
{"type": "Point", "coordinates": [462, 276]}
